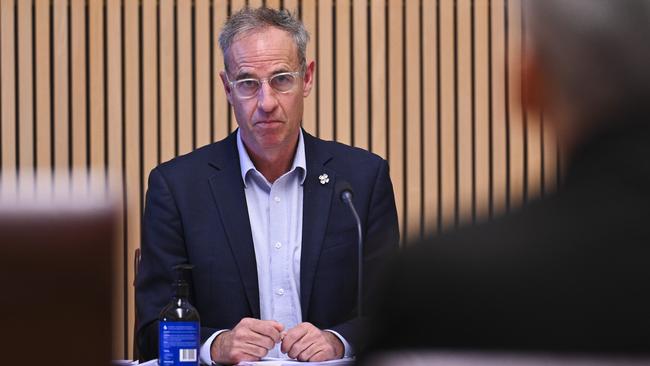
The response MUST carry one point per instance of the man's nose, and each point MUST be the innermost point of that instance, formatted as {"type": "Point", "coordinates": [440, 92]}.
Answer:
{"type": "Point", "coordinates": [266, 98]}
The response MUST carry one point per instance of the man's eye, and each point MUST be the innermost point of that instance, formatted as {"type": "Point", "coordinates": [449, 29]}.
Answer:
{"type": "Point", "coordinates": [247, 84]}
{"type": "Point", "coordinates": [282, 82]}
{"type": "Point", "coordinates": [282, 78]}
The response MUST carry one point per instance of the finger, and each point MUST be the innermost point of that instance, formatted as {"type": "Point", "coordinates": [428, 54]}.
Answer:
{"type": "Point", "coordinates": [320, 356]}
{"type": "Point", "coordinates": [308, 340]}
{"type": "Point", "coordinates": [292, 336]}
{"type": "Point", "coordinates": [260, 340]}
{"type": "Point", "coordinates": [251, 330]}
{"type": "Point", "coordinates": [311, 337]}
{"type": "Point", "coordinates": [242, 334]}
{"type": "Point", "coordinates": [297, 349]}
{"type": "Point", "coordinates": [277, 325]}
{"type": "Point", "coordinates": [268, 328]}
{"type": "Point", "coordinates": [254, 350]}
{"type": "Point", "coordinates": [308, 352]}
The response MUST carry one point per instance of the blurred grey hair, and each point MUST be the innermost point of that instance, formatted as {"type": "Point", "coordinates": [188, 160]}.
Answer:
{"type": "Point", "coordinates": [597, 51]}
{"type": "Point", "coordinates": [249, 20]}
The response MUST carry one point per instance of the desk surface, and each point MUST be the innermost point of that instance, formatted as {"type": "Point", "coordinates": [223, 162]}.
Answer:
{"type": "Point", "coordinates": [504, 359]}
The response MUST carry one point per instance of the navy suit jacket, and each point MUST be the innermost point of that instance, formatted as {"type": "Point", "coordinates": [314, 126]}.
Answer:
{"type": "Point", "coordinates": [196, 213]}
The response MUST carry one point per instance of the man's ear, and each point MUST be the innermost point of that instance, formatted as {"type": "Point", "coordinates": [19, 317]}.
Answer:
{"type": "Point", "coordinates": [534, 86]}
{"type": "Point", "coordinates": [308, 79]}
{"type": "Point", "coordinates": [226, 86]}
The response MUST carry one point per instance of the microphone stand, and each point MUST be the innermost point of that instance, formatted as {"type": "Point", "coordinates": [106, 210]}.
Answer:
{"type": "Point", "coordinates": [346, 196]}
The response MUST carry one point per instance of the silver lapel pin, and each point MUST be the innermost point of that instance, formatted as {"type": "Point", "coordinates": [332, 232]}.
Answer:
{"type": "Point", "coordinates": [324, 179]}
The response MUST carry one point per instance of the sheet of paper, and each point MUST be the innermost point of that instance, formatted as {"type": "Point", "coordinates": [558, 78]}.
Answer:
{"type": "Point", "coordinates": [150, 363]}
{"type": "Point", "coordinates": [285, 362]}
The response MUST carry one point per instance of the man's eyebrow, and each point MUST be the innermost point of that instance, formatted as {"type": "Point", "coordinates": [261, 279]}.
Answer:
{"type": "Point", "coordinates": [280, 70]}
{"type": "Point", "coordinates": [249, 75]}
{"type": "Point", "coordinates": [244, 75]}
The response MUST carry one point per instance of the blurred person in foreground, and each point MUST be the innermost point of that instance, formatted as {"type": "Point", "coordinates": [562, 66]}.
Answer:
{"type": "Point", "coordinates": [273, 247]}
{"type": "Point", "coordinates": [570, 272]}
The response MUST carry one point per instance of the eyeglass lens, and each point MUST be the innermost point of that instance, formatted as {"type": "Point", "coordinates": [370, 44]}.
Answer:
{"type": "Point", "coordinates": [282, 83]}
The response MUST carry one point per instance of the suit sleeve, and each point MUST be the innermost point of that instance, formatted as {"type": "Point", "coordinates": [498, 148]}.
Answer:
{"type": "Point", "coordinates": [381, 240]}
{"type": "Point", "coordinates": [162, 247]}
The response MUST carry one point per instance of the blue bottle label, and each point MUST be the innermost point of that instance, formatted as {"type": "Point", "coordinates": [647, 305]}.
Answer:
{"type": "Point", "coordinates": [178, 343]}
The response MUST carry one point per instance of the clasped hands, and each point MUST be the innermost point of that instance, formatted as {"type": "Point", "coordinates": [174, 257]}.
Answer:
{"type": "Point", "coordinates": [251, 339]}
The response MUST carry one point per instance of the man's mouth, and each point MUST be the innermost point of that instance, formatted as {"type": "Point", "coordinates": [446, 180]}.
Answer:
{"type": "Point", "coordinates": [268, 123]}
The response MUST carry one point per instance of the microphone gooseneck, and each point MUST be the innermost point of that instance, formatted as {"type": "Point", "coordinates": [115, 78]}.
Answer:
{"type": "Point", "coordinates": [345, 193]}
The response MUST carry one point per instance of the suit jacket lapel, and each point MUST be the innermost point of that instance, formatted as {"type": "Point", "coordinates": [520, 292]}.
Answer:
{"type": "Point", "coordinates": [228, 193]}
{"type": "Point", "coordinates": [317, 199]}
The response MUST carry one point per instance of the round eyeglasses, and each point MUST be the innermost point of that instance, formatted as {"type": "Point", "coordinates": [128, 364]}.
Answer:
{"type": "Point", "coordinates": [283, 82]}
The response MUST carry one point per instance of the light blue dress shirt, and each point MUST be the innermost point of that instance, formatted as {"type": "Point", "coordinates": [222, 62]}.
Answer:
{"type": "Point", "coordinates": [275, 214]}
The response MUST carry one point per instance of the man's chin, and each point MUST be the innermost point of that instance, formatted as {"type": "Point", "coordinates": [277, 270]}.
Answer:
{"type": "Point", "coordinates": [270, 141]}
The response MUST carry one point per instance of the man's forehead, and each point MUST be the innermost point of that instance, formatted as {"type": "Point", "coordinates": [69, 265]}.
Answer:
{"type": "Point", "coordinates": [268, 33]}
{"type": "Point", "coordinates": [265, 46]}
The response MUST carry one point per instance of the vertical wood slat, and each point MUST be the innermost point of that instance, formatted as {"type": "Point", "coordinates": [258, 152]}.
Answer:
{"type": "Point", "coordinates": [149, 86]}
{"type": "Point", "coordinates": [61, 89]}
{"type": "Point", "coordinates": [482, 116]}
{"type": "Point", "coordinates": [309, 19]}
{"type": "Point", "coordinates": [342, 76]}
{"type": "Point", "coordinates": [25, 97]}
{"type": "Point", "coordinates": [292, 6]}
{"type": "Point", "coordinates": [97, 96]}
{"type": "Point", "coordinates": [273, 4]}
{"type": "Point", "coordinates": [533, 124]}
{"type": "Point", "coordinates": [360, 103]}
{"type": "Point", "coordinates": [512, 12]}
{"type": "Point", "coordinates": [325, 72]}
{"type": "Point", "coordinates": [499, 153]}
{"type": "Point", "coordinates": [8, 64]}
{"type": "Point", "coordinates": [220, 102]}
{"type": "Point", "coordinates": [550, 155]}
{"type": "Point", "coordinates": [534, 155]}
{"type": "Point", "coordinates": [464, 109]}
{"type": "Point", "coordinates": [113, 50]}
{"type": "Point", "coordinates": [235, 5]}
{"type": "Point", "coordinates": [255, 3]}
{"type": "Point", "coordinates": [184, 87]}
{"type": "Point", "coordinates": [133, 169]}
{"type": "Point", "coordinates": [412, 124]}
{"type": "Point", "coordinates": [202, 71]}
{"type": "Point", "coordinates": [79, 92]}
{"type": "Point", "coordinates": [430, 110]}
{"type": "Point", "coordinates": [167, 81]}
{"type": "Point", "coordinates": [42, 94]}
{"type": "Point", "coordinates": [395, 106]}
{"type": "Point", "coordinates": [378, 78]}
{"type": "Point", "coordinates": [447, 114]}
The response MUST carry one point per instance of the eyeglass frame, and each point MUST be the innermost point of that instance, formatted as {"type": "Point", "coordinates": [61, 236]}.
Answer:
{"type": "Point", "coordinates": [295, 74]}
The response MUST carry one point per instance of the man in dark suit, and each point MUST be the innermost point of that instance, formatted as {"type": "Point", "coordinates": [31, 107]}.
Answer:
{"type": "Point", "coordinates": [274, 248]}
{"type": "Point", "coordinates": [570, 272]}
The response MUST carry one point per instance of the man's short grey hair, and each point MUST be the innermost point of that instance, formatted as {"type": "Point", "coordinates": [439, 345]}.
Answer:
{"type": "Point", "coordinates": [249, 20]}
{"type": "Point", "coordinates": [596, 51]}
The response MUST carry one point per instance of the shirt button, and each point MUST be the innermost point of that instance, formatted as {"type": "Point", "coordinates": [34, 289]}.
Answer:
{"type": "Point", "coordinates": [280, 291]}
{"type": "Point", "coordinates": [276, 199]}
{"type": "Point", "coordinates": [278, 245]}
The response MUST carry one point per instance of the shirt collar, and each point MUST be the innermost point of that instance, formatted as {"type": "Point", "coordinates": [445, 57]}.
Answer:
{"type": "Point", "coordinates": [246, 164]}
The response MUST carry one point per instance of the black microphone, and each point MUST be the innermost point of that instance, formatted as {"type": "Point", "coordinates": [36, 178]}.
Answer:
{"type": "Point", "coordinates": [345, 193]}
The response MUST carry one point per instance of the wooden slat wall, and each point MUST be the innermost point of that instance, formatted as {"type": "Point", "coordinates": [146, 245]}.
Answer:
{"type": "Point", "coordinates": [118, 86]}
